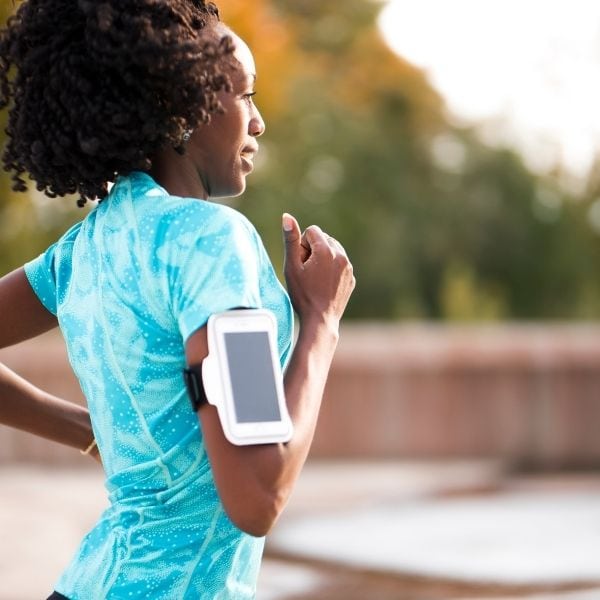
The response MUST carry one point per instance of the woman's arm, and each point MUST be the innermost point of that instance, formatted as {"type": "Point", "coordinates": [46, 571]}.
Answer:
{"type": "Point", "coordinates": [255, 482]}
{"type": "Point", "coordinates": [23, 315]}
{"type": "Point", "coordinates": [22, 405]}
{"type": "Point", "coordinates": [28, 408]}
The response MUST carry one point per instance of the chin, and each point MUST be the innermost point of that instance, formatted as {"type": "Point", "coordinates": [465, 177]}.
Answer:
{"type": "Point", "coordinates": [232, 191]}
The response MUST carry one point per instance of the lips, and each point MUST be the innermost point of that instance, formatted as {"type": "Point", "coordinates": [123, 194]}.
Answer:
{"type": "Point", "coordinates": [247, 155]}
{"type": "Point", "coordinates": [250, 150]}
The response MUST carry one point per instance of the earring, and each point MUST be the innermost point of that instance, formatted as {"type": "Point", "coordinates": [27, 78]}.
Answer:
{"type": "Point", "coordinates": [187, 134]}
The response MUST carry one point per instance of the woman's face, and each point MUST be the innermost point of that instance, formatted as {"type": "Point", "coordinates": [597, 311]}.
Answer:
{"type": "Point", "coordinates": [223, 151]}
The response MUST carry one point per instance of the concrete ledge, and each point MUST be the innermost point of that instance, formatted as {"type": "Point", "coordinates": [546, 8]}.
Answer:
{"type": "Point", "coordinates": [527, 395]}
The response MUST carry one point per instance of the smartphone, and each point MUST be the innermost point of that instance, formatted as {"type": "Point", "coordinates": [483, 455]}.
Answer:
{"type": "Point", "coordinates": [242, 377]}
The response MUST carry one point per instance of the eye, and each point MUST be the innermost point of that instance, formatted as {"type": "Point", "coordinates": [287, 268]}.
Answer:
{"type": "Point", "coordinates": [248, 96]}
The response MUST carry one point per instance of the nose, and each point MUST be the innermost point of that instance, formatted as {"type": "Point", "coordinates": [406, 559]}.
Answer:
{"type": "Point", "coordinates": [256, 127]}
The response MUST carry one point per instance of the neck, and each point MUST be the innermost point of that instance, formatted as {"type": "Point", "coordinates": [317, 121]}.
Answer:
{"type": "Point", "coordinates": [177, 174]}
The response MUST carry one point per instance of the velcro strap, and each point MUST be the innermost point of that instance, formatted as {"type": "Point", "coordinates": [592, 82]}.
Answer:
{"type": "Point", "coordinates": [192, 376]}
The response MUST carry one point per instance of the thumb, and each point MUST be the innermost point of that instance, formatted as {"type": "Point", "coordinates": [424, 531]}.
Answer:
{"type": "Point", "coordinates": [291, 235]}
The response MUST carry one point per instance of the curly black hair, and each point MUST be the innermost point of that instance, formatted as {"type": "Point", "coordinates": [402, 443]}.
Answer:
{"type": "Point", "coordinates": [95, 87]}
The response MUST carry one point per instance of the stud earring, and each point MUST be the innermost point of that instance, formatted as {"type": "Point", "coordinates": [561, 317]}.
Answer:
{"type": "Point", "coordinates": [187, 134]}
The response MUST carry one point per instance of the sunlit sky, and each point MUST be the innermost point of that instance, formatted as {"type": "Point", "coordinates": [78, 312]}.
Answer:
{"type": "Point", "coordinates": [529, 68]}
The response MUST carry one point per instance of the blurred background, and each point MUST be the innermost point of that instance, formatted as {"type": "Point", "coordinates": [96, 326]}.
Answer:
{"type": "Point", "coordinates": [453, 148]}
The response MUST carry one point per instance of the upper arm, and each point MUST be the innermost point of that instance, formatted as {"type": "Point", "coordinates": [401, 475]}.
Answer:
{"type": "Point", "coordinates": [221, 453]}
{"type": "Point", "coordinates": [23, 315]}
{"type": "Point", "coordinates": [246, 501]}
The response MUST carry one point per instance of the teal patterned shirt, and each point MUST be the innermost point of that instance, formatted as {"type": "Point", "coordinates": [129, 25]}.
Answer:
{"type": "Point", "coordinates": [129, 284]}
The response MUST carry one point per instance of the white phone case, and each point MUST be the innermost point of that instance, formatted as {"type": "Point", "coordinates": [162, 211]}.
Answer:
{"type": "Point", "coordinates": [217, 378]}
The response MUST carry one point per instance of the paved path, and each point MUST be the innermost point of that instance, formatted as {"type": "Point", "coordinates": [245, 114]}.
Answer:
{"type": "Point", "coordinates": [513, 538]}
{"type": "Point", "coordinates": [44, 512]}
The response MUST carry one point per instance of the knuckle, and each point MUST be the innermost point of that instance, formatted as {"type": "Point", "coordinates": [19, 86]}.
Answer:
{"type": "Point", "coordinates": [318, 234]}
{"type": "Point", "coordinates": [345, 266]}
{"type": "Point", "coordinates": [341, 261]}
{"type": "Point", "coordinates": [291, 237]}
{"type": "Point", "coordinates": [329, 252]}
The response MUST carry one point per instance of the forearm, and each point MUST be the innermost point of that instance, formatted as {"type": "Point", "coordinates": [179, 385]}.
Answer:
{"type": "Point", "coordinates": [26, 407]}
{"type": "Point", "coordinates": [304, 384]}
{"type": "Point", "coordinates": [277, 466]}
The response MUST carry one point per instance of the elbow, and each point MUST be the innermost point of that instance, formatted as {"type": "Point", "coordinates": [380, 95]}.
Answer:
{"type": "Point", "coordinates": [254, 525]}
{"type": "Point", "coordinates": [258, 516]}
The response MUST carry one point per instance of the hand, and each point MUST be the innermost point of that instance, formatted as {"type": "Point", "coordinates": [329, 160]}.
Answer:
{"type": "Point", "coordinates": [317, 270]}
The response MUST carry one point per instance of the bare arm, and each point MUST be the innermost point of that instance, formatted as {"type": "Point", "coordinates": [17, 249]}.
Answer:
{"type": "Point", "coordinates": [23, 315]}
{"type": "Point", "coordinates": [255, 482]}
{"type": "Point", "coordinates": [22, 405]}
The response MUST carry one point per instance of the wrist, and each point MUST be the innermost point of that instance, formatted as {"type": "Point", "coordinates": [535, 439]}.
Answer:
{"type": "Point", "coordinates": [320, 324]}
{"type": "Point", "coordinates": [319, 321]}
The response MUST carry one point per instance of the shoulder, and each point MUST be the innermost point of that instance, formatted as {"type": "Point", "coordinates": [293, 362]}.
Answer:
{"type": "Point", "coordinates": [177, 229]}
{"type": "Point", "coordinates": [198, 225]}
{"type": "Point", "coordinates": [70, 235]}
{"type": "Point", "coordinates": [207, 216]}
{"type": "Point", "coordinates": [162, 219]}
{"type": "Point", "coordinates": [57, 251]}
{"type": "Point", "coordinates": [213, 231]}
{"type": "Point", "coordinates": [180, 213]}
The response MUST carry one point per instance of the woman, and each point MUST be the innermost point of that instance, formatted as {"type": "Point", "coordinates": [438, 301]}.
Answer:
{"type": "Point", "coordinates": [158, 97]}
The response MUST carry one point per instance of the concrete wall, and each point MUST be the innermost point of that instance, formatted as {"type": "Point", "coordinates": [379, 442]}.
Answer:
{"type": "Point", "coordinates": [527, 394]}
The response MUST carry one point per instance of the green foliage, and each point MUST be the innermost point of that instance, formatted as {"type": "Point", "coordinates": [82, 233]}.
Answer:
{"type": "Point", "coordinates": [438, 225]}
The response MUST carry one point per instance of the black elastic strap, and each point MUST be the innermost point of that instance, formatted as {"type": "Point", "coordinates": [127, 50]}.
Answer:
{"type": "Point", "coordinates": [193, 382]}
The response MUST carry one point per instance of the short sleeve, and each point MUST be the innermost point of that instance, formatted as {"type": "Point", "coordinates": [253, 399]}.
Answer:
{"type": "Point", "coordinates": [40, 273]}
{"type": "Point", "coordinates": [50, 272]}
{"type": "Point", "coordinates": [219, 272]}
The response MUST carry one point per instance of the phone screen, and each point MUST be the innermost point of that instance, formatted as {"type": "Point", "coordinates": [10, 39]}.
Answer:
{"type": "Point", "coordinates": [252, 377]}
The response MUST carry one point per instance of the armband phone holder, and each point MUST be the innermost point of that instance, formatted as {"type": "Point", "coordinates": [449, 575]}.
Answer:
{"type": "Point", "coordinates": [241, 377]}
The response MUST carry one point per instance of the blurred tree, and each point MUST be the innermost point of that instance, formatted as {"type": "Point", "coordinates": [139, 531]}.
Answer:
{"type": "Point", "coordinates": [437, 224]}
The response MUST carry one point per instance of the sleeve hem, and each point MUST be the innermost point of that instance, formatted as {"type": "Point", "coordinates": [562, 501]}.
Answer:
{"type": "Point", "coordinates": [42, 291]}
{"type": "Point", "coordinates": [194, 318]}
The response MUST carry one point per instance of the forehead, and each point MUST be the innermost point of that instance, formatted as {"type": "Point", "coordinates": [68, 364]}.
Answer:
{"type": "Point", "coordinates": [244, 56]}
{"type": "Point", "coordinates": [246, 69]}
